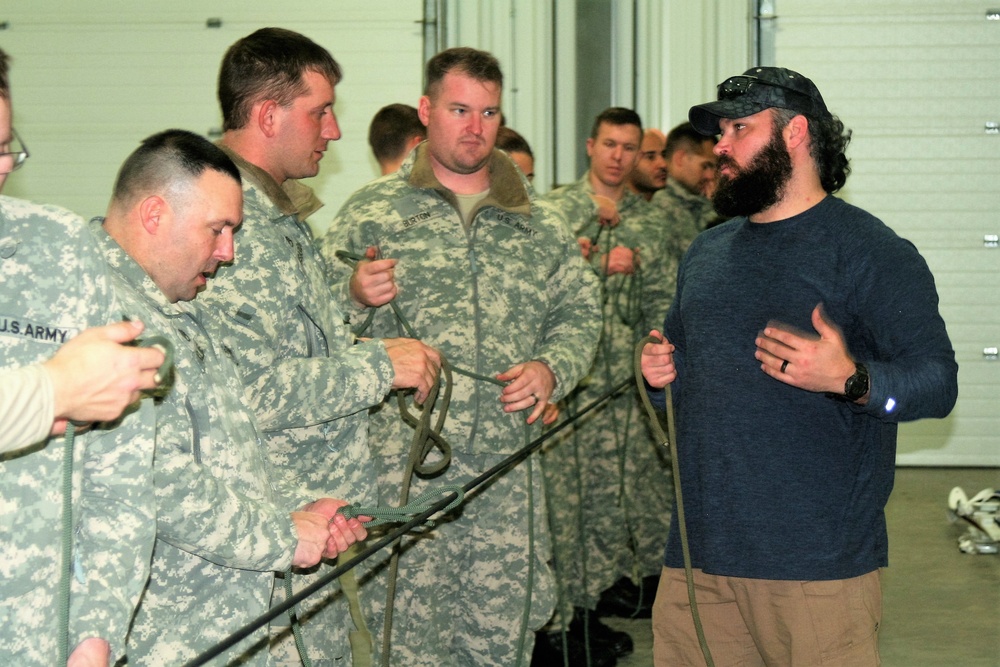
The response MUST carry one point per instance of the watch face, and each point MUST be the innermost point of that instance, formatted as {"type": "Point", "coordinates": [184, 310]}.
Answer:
{"type": "Point", "coordinates": [857, 385]}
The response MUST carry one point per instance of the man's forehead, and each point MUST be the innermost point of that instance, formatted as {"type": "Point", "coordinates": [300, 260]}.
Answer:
{"type": "Point", "coordinates": [317, 83]}
{"type": "Point", "coordinates": [607, 128]}
{"type": "Point", "coordinates": [651, 142]}
{"type": "Point", "coordinates": [456, 86]}
{"type": "Point", "coordinates": [761, 116]}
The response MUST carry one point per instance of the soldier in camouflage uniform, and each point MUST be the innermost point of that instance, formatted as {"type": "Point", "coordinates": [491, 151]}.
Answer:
{"type": "Point", "coordinates": [308, 384]}
{"type": "Point", "coordinates": [55, 286]}
{"type": "Point", "coordinates": [610, 486]}
{"type": "Point", "coordinates": [221, 532]}
{"type": "Point", "coordinates": [691, 172]}
{"type": "Point", "coordinates": [91, 378]}
{"type": "Point", "coordinates": [494, 279]}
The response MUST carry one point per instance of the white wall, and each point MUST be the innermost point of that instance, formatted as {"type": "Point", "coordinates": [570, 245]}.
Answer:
{"type": "Point", "coordinates": [91, 78]}
{"type": "Point", "coordinates": [916, 82]}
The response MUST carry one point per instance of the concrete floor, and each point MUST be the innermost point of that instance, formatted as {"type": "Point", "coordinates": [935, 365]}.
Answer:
{"type": "Point", "coordinates": [941, 607]}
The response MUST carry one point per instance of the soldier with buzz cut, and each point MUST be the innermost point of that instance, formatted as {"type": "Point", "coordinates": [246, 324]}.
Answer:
{"type": "Point", "coordinates": [493, 278]}
{"type": "Point", "coordinates": [394, 131]}
{"type": "Point", "coordinates": [609, 535]}
{"type": "Point", "coordinates": [685, 201]}
{"type": "Point", "coordinates": [222, 531]}
{"type": "Point", "coordinates": [55, 282]}
{"type": "Point", "coordinates": [309, 385]}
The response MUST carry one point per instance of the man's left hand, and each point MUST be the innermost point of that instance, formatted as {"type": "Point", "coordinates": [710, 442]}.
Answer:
{"type": "Point", "coordinates": [530, 386]}
{"type": "Point", "coordinates": [819, 362]}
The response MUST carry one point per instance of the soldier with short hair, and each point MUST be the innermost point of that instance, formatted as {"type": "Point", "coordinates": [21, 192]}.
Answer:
{"type": "Point", "coordinates": [224, 524]}
{"type": "Point", "coordinates": [609, 535]}
{"type": "Point", "coordinates": [307, 381]}
{"type": "Point", "coordinates": [492, 277]}
{"type": "Point", "coordinates": [394, 131]}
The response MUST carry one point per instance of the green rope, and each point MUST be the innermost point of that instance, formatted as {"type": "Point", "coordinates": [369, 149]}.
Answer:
{"type": "Point", "coordinates": [425, 439]}
{"type": "Point", "coordinates": [382, 515]}
{"type": "Point", "coordinates": [407, 328]}
{"type": "Point", "coordinates": [529, 587]}
{"type": "Point", "coordinates": [66, 575]}
{"type": "Point", "coordinates": [419, 448]}
{"type": "Point", "coordinates": [671, 442]}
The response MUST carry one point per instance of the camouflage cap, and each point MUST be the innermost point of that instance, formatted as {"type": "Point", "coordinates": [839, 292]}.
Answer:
{"type": "Point", "coordinates": [757, 89]}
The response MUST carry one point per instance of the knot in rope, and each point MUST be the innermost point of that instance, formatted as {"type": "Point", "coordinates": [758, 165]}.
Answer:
{"type": "Point", "coordinates": [386, 514]}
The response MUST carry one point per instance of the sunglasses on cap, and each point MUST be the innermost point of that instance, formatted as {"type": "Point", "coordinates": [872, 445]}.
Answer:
{"type": "Point", "coordinates": [737, 86]}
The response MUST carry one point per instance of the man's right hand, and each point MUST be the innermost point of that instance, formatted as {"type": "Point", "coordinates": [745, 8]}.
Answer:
{"type": "Point", "coordinates": [657, 361]}
{"type": "Point", "coordinates": [416, 365]}
{"type": "Point", "coordinates": [95, 377]}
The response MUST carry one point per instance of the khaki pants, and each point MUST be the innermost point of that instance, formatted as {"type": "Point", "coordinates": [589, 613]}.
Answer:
{"type": "Point", "coordinates": [758, 622]}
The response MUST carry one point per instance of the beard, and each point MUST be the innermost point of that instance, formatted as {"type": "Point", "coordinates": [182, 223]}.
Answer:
{"type": "Point", "coordinates": [756, 187]}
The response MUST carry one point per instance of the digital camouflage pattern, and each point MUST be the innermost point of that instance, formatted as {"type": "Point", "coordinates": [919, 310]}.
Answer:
{"type": "Point", "coordinates": [687, 215]}
{"type": "Point", "coordinates": [55, 285]}
{"type": "Point", "coordinates": [219, 533]}
{"type": "Point", "coordinates": [608, 481]}
{"type": "Point", "coordinates": [512, 288]}
{"type": "Point", "coordinates": [308, 384]}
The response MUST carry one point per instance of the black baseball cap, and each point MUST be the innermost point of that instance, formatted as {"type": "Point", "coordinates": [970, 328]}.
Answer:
{"type": "Point", "coordinates": [757, 89]}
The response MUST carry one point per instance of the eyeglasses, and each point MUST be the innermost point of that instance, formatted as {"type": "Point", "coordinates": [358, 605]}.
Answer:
{"type": "Point", "coordinates": [737, 86]}
{"type": "Point", "coordinates": [15, 155]}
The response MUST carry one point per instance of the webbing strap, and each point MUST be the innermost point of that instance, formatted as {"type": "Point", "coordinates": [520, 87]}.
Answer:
{"type": "Point", "coordinates": [360, 637]}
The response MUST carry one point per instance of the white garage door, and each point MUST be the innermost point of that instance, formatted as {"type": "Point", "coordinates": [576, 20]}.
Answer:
{"type": "Point", "coordinates": [89, 83]}
{"type": "Point", "coordinates": [917, 82]}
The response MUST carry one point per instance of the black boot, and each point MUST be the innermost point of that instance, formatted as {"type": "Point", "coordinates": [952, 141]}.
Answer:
{"type": "Point", "coordinates": [549, 652]}
{"type": "Point", "coordinates": [599, 634]}
{"type": "Point", "coordinates": [626, 600]}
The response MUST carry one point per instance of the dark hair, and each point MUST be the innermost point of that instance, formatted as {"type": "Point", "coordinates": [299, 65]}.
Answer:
{"type": "Point", "coordinates": [828, 140]}
{"type": "Point", "coordinates": [616, 116]}
{"type": "Point", "coordinates": [391, 128]}
{"type": "Point", "coordinates": [512, 142]}
{"type": "Point", "coordinates": [268, 65]}
{"type": "Point", "coordinates": [166, 158]}
{"type": "Point", "coordinates": [685, 137]}
{"type": "Point", "coordinates": [4, 81]}
{"type": "Point", "coordinates": [479, 65]}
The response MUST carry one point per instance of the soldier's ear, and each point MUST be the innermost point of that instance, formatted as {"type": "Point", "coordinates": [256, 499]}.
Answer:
{"type": "Point", "coordinates": [265, 114]}
{"type": "Point", "coordinates": [152, 209]}
{"type": "Point", "coordinates": [424, 110]}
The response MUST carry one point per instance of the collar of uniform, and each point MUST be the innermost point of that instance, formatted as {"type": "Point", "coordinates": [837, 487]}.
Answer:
{"type": "Point", "coordinates": [303, 198]}
{"type": "Point", "coordinates": [507, 190]}
{"type": "Point", "coordinates": [262, 180]}
{"type": "Point", "coordinates": [122, 264]}
{"type": "Point", "coordinates": [681, 192]}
